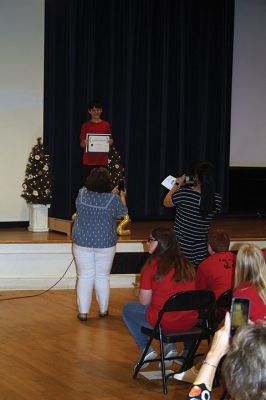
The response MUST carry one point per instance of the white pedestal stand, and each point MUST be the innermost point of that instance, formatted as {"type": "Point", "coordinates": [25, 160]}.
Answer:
{"type": "Point", "coordinates": [38, 217]}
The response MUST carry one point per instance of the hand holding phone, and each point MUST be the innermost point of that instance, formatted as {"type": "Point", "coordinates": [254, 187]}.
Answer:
{"type": "Point", "coordinates": [239, 313]}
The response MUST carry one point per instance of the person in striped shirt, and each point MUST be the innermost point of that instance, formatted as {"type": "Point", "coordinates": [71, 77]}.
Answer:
{"type": "Point", "coordinates": [196, 207]}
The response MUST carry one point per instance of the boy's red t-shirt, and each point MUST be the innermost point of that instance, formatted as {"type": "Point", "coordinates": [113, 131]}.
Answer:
{"type": "Point", "coordinates": [95, 128]}
{"type": "Point", "coordinates": [161, 291]}
{"type": "Point", "coordinates": [216, 273]}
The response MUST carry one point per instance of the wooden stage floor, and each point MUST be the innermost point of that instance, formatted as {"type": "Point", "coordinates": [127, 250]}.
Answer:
{"type": "Point", "coordinates": [239, 229]}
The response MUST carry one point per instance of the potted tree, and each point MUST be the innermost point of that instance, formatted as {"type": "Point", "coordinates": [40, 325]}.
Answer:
{"type": "Point", "coordinates": [37, 188]}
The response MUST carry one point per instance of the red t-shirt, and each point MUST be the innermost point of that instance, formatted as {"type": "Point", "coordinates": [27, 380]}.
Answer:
{"type": "Point", "coordinates": [161, 291]}
{"type": "Point", "coordinates": [216, 273]}
{"type": "Point", "coordinates": [257, 306]}
{"type": "Point", "coordinates": [94, 127]}
{"type": "Point", "coordinates": [264, 253]}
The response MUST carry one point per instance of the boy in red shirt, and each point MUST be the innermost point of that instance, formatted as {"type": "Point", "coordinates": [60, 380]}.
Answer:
{"type": "Point", "coordinates": [95, 126]}
{"type": "Point", "coordinates": [217, 271]}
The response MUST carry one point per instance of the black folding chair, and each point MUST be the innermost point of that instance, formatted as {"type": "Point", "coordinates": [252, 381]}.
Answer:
{"type": "Point", "coordinates": [222, 304]}
{"type": "Point", "coordinates": [199, 300]}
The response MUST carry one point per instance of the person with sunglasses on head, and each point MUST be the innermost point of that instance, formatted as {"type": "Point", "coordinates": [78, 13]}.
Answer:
{"type": "Point", "coordinates": [165, 273]}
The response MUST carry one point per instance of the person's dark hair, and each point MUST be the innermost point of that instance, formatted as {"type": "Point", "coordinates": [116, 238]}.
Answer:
{"type": "Point", "coordinates": [99, 180]}
{"type": "Point", "coordinates": [205, 174]}
{"type": "Point", "coordinates": [94, 103]}
{"type": "Point", "coordinates": [244, 367]}
{"type": "Point", "coordinates": [170, 256]}
{"type": "Point", "coordinates": [218, 239]}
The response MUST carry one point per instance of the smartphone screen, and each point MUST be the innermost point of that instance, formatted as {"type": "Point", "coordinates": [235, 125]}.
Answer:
{"type": "Point", "coordinates": [239, 313]}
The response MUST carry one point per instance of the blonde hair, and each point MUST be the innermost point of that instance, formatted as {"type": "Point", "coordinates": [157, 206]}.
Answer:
{"type": "Point", "coordinates": [250, 266]}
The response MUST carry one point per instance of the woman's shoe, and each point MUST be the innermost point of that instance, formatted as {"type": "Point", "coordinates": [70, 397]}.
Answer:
{"type": "Point", "coordinates": [104, 314]}
{"type": "Point", "coordinates": [189, 376]}
{"type": "Point", "coordinates": [82, 317]}
{"type": "Point", "coordinates": [151, 355]}
{"type": "Point", "coordinates": [168, 363]}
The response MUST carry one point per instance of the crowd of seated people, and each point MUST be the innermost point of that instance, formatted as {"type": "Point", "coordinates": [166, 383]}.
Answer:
{"type": "Point", "coordinates": [245, 273]}
{"type": "Point", "coordinates": [222, 270]}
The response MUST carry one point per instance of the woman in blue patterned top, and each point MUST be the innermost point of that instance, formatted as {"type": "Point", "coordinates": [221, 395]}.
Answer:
{"type": "Point", "coordinates": [94, 239]}
{"type": "Point", "coordinates": [195, 209]}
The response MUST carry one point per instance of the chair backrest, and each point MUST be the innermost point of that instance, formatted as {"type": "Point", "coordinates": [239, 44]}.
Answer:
{"type": "Point", "coordinates": [225, 299]}
{"type": "Point", "coordinates": [201, 300]}
{"type": "Point", "coordinates": [222, 305]}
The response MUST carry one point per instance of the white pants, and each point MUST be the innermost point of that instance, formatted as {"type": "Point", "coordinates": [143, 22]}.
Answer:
{"type": "Point", "coordinates": [93, 269]}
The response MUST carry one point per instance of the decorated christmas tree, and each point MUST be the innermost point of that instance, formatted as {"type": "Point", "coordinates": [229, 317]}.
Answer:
{"type": "Point", "coordinates": [115, 166]}
{"type": "Point", "coordinates": [37, 185]}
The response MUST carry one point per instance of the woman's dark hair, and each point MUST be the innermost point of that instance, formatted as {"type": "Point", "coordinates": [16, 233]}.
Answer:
{"type": "Point", "coordinates": [99, 180]}
{"type": "Point", "coordinates": [170, 256]}
{"type": "Point", "coordinates": [205, 173]}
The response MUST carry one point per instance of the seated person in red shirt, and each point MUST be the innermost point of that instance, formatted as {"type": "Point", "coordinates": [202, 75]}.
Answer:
{"type": "Point", "coordinates": [250, 280]}
{"type": "Point", "coordinates": [217, 271]}
{"type": "Point", "coordinates": [264, 253]}
{"type": "Point", "coordinates": [165, 273]}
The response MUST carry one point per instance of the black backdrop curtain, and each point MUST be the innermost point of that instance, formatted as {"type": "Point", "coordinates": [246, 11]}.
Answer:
{"type": "Point", "coordinates": [163, 72]}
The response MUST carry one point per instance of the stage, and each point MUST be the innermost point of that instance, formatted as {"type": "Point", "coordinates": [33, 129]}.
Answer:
{"type": "Point", "coordinates": [30, 260]}
{"type": "Point", "coordinates": [238, 228]}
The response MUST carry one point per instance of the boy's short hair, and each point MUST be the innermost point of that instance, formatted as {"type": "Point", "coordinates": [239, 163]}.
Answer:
{"type": "Point", "coordinates": [94, 103]}
{"type": "Point", "coordinates": [218, 239]}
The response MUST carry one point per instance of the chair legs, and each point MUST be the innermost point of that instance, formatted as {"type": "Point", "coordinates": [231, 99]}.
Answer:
{"type": "Point", "coordinates": [187, 363]}
{"type": "Point", "coordinates": [141, 360]}
{"type": "Point", "coordinates": [164, 379]}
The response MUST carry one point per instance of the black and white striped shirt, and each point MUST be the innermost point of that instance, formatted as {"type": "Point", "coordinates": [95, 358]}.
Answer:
{"type": "Point", "coordinates": [190, 226]}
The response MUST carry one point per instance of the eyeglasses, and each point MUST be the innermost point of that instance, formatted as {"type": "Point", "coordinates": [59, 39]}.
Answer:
{"type": "Point", "coordinates": [151, 239]}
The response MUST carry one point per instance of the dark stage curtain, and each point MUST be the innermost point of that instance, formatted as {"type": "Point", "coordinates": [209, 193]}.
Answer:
{"type": "Point", "coordinates": [163, 71]}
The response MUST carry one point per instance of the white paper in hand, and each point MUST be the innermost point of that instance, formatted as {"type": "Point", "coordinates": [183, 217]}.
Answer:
{"type": "Point", "coordinates": [169, 182]}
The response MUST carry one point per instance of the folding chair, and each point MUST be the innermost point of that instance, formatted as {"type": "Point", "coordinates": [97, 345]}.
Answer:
{"type": "Point", "coordinates": [222, 305]}
{"type": "Point", "coordinates": [199, 300]}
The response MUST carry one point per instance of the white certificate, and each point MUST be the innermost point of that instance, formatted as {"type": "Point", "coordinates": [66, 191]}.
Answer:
{"type": "Point", "coordinates": [97, 143]}
{"type": "Point", "coordinates": [169, 182]}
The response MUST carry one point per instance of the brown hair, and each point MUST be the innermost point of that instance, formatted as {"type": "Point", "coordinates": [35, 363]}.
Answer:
{"type": "Point", "coordinates": [244, 367]}
{"type": "Point", "coordinates": [99, 180]}
{"type": "Point", "coordinates": [250, 266]}
{"type": "Point", "coordinates": [218, 239]}
{"type": "Point", "coordinates": [170, 256]}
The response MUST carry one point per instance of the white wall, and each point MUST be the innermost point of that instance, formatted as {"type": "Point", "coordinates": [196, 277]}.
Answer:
{"type": "Point", "coordinates": [248, 117]}
{"type": "Point", "coordinates": [21, 97]}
